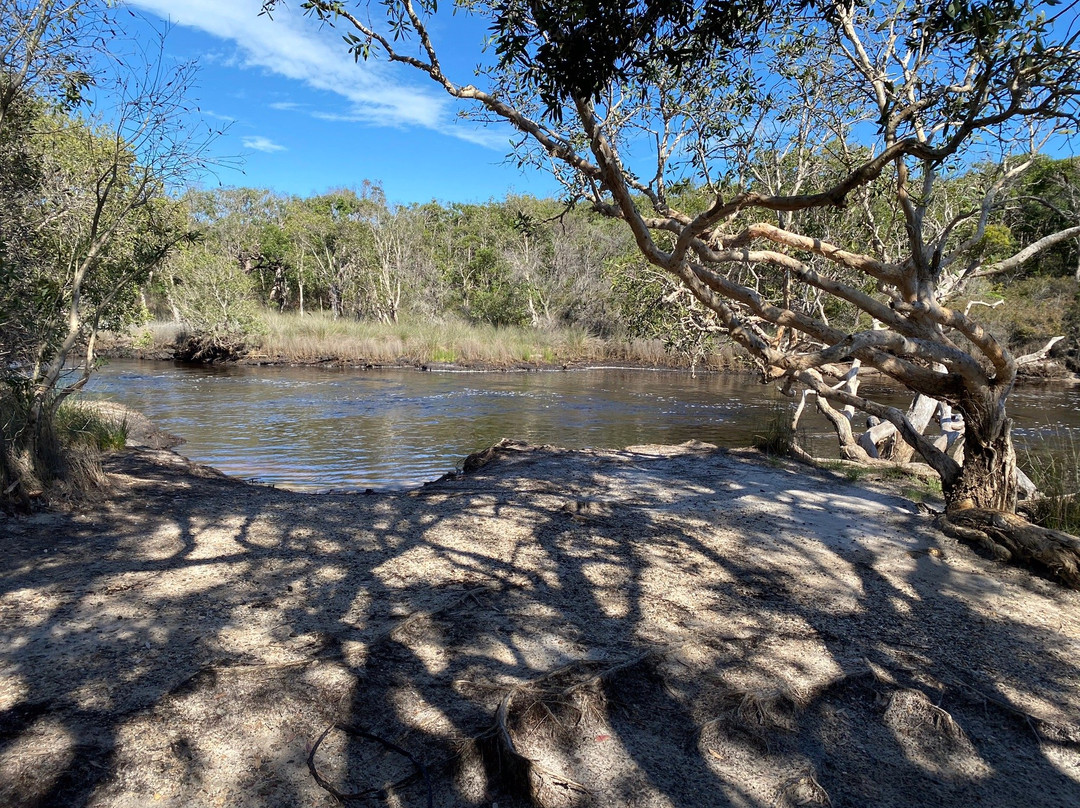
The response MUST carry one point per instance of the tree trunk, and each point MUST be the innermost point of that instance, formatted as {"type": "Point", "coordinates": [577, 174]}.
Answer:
{"type": "Point", "coordinates": [335, 301]}
{"type": "Point", "coordinates": [981, 500]}
{"type": "Point", "coordinates": [921, 411]}
{"type": "Point", "coordinates": [988, 476]}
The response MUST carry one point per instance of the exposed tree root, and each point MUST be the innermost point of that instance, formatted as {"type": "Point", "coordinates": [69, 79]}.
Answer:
{"type": "Point", "coordinates": [1058, 731]}
{"type": "Point", "coordinates": [1008, 537]}
{"type": "Point", "coordinates": [551, 705]}
{"type": "Point", "coordinates": [804, 790]}
{"type": "Point", "coordinates": [756, 714]}
{"type": "Point", "coordinates": [523, 774]}
{"type": "Point", "coordinates": [377, 791]}
{"type": "Point", "coordinates": [911, 710]}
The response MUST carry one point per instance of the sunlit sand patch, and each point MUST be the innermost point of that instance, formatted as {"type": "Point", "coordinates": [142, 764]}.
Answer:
{"type": "Point", "coordinates": [164, 543]}
{"type": "Point", "coordinates": [95, 695]}
{"type": "Point", "coordinates": [610, 582]}
{"type": "Point", "coordinates": [190, 581]}
{"type": "Point", "coordinates": [932, 739]}
{"type": "Point", "coordinates": [34, 760]}
{"type": "Point", "coordinates": [13, 688]}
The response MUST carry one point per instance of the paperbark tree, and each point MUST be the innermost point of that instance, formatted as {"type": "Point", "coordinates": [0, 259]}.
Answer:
{"type": "Point", "coordinates": [905, 98]}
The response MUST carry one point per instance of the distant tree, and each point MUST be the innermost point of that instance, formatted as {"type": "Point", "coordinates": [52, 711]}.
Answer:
{"type": "Point", "coordinates": [332, 239]}
{"type": "Point", "coordinates": [215, 300]}
{"type": "Point", "coordinates": [911, 96]}
{"type": "Point", "coordinates": [247, 224]}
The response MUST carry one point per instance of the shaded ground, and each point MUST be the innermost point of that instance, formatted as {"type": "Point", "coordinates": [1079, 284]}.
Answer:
{"type": "Point", "coordinates": [661, 626]}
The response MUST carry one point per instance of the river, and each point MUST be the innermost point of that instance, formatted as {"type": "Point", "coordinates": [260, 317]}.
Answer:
{"type": "Point", "coordinates": [328, 428]}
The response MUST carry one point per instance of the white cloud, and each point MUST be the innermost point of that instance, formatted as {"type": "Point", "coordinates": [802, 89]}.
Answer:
{"type": "Point", "coordinates": [209, 113]}
{"type": "Point", "coordinates": [291, 46]}
{"type": "Point", "coordinates": [260, 143]}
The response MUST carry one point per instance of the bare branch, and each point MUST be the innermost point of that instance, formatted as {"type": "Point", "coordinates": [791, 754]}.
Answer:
{"type": "Point", "coordinates": [1029, 252]}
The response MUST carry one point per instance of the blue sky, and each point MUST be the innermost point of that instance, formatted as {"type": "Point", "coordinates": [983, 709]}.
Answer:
{"type": "Point", "coordinates": [306, 118]}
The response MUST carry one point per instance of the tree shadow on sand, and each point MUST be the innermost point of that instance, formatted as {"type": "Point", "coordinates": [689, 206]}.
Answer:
{"type": "Point", "coordinates": [648, 627]}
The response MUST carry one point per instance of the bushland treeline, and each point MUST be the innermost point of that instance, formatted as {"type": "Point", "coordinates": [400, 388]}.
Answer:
{"type": "Point", "coordinates": [528, 263]}
{"type": "Point", "coordinates": [348, 254]}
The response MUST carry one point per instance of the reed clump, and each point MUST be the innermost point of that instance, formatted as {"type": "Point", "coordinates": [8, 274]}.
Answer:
{"type": "Point", "coordinates": [58, 454]}
{"type": "Point", "coordinates": [775, 435]}
{"type": "Point", "coordinates": [1056, 475]}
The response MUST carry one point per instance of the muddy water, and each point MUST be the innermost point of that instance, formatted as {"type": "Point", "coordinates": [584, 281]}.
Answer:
{"type": "Point", "coordinates": [319, 429]}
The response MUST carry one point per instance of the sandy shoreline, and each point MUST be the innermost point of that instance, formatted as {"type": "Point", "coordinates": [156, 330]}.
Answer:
{"type": "Point", "coordinates": [659, 626]}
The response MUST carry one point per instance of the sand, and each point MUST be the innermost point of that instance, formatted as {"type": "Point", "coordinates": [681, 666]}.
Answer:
{"type": "Point", "coordinates": [658, 626]}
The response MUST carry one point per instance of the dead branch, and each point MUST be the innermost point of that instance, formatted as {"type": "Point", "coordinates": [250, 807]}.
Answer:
{"type": "Point", "coordinates": [1042, 353]}
{"type": "Point", "coordinates": [994, 305]}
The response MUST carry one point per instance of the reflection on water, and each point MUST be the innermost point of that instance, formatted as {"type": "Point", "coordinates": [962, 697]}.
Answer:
{"type": "Point", "coordinates": [314, 428]}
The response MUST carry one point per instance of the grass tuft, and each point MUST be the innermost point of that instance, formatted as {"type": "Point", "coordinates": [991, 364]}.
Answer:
{"type": "Point", "coordinates": [80, 425]}
{"type": "Point", "coordinates": [1057, 477]}
{"type": "Point", "coordinates": [776, 436]}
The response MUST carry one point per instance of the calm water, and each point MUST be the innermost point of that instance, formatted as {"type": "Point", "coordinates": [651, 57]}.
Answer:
{"type": "Point", "coordinates": [318, 429]}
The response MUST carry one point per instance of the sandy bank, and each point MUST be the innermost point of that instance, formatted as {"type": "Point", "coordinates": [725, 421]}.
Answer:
{"type": "Point", "coordinates": [660, 626]}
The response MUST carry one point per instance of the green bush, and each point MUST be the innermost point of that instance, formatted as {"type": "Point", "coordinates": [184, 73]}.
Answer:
{"type": "Point", "coordinates": [1035, 310]}
{"type": "Point", "coordinates": [217, 302]}
{"type": "Point", "coordinates": [497, 297]}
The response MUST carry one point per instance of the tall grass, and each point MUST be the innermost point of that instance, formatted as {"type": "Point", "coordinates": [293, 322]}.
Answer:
{"type": "Point", "coordinates": [775, 435]}
{"type": "Point", "coordinates": [58, 456]}
{"type": "Point", "coordinates": [1057, 476]}
{"type": "Point", "coordinates": [84, 425]}
{"type": "Point", "coordinates": [318, 337]}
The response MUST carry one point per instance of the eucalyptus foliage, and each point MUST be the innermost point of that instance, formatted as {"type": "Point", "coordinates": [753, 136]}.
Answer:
{"type": "Point", "coordinates": [91, 138]}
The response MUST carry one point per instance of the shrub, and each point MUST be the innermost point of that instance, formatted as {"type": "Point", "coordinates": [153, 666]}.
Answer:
{"type": "Point", "coordinates": [216, 300]}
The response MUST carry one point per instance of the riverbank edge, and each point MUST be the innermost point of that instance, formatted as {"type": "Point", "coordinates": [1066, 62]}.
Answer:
{"type": "Point", "coordinates": [407, 362]}
{"type": "Point", "coordinates": [1050, 372]}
